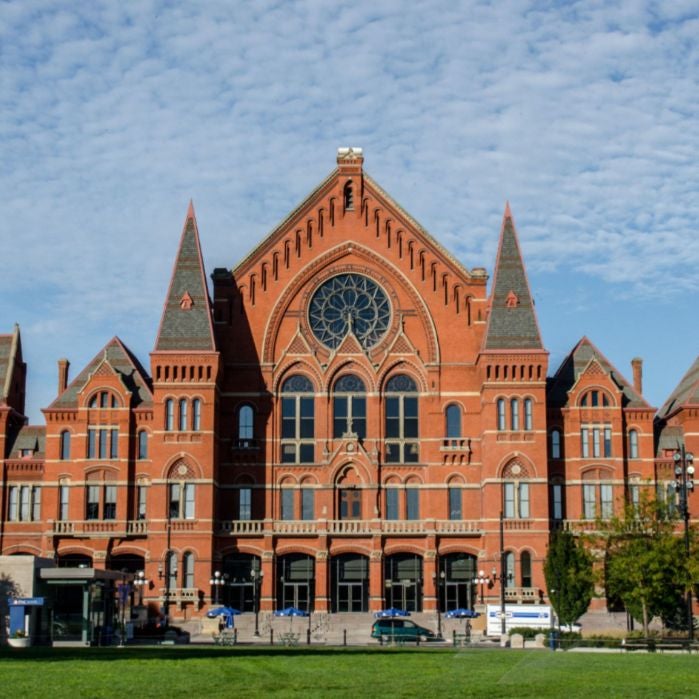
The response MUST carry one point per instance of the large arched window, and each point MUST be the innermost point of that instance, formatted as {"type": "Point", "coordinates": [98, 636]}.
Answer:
{"type": "Point", "coordinates": [298, 415]}
{"type": "Point", "coordinates": [246, 426]}
{"type": "Point", "coordinates": [401, 420]}
{"type": "Point", "coordinates": [453, 425]}
{"type": "Point", "coordinates": [349, 407]}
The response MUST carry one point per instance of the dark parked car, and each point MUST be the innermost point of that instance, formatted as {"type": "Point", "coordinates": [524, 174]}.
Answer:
{"type": "Point", "coordinates": [401, 630]}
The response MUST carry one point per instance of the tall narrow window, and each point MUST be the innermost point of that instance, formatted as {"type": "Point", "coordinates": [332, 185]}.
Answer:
{"type": "Point", "coordinates": [13, 509]}
{"type": "Point", "coordinates": [509, 500]}
{"type": "Point", "coordinates": [91, 443]}
{"type": "Point", "coordinates": [171, 569]}
{"type": "Point", "coordinates": [298, 418]}
{"type": "Point", "coordinates": [189, 500]}
{"type": "Point", "coordinates": [141, 495]}
{"type": "Point", "coordinates": [182, 420]}
{"type": "Point", "coordinates": [349, 407]}
{"type": "Point", "coordinates": [585, 442]}
{"type": "Point", "coordinates": [25, 503]}
{"type": "Point", "coordinates": [348, 197]}
{"type": "Point", "coordinates": [525, 569]}
{"type": "Point", "coordinates": [412, 502]}
{"type": "Point", "coordinates": [196, 415]}
{"type": "Point", "coordinates": [392, 494]}
{"type": "Point", "coordinates": [307, 504]}
{"type": "Point", "coordinates": [555, 444]}
{"type": "Point", "coordinates": [288, 509]}
{"type": "Point", "coordinates": [36, 503]}
{"type": "Point", "coordinates": [607, 442]}
{"type": "Point", "coordinates": [524, 500]}
{"type": "Point", "coordinates": [528, 414]}
{"type": "Point", "coordinates": [455, 502]}
{"type": "Point", "coordinates": [633, 444]}
{"type": "Point", "coordinates": [110, 502]}
{"type": "Point", "coordinates": [143, 444]}
{"type": "Point", "coordinates": [453, 425]}
{"type": "Point", "coordinates": [245, 504]}
{"type": "Point", "coordinates": [113, 444]}
{"type": "Point", "coordinates": [595, 442]}
{"type": "Point", "coordinates": [188, 570]}
{"type": "Point", "coordinates": [557, 500]}
{"type": "Point", "coordinates": [169, 414]}
{"type": "Point", "coordinates": [65, 445]}
{"type": "Point", "coordinates": [510, 569]}
{"type": "Point", "coordinates": [246, 429]}
{"type": "Point", "coordinates": [92, 509]}
{"type": "Point", "coordinates": [514, 414]}
{"type": "Point", "coordinates": [63, 502]}
{"type": "Point", "coordinates": [606, 500]}
{"type": "Point", "coordinates": [103, 438]}
{"type": "Point", "coordinates": [589, 501]}
{"type": "Point", "coordinates": [501, 414]}
{"type": "Point", "coordinates": [401, 420]}
{"type": "Point", "coordinates": [175, 500]}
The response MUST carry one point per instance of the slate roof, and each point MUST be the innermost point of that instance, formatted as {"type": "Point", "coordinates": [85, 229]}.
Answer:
{"type": "Point", "coordinates": [29, 437]}
{"type": "Point", "coordinates": [671, 437]}
{"type": "Point", "coordinates": [124, 363]}
{"type": "Point", "coordinates": [687, 391]}
{"type": "Point", "coordinates": [576, 363]}
{"type": "Point", "coordinates": [10, 351]}
{"type": "Point", "coordinates": [186, 323]}
{"type": "Point", "coordinates": [512, 323]}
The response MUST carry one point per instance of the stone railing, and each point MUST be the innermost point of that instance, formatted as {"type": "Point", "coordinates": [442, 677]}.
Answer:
{"type": "Point", "coordinates": [523, 595]}
{"type": "Point", "coordinates": [99, 527]}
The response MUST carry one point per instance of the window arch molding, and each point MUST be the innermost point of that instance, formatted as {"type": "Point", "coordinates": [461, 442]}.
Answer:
{"type": "Point", "coordinates": [103, 399]}
{"type": "Point", "coordinates": [596, 397]}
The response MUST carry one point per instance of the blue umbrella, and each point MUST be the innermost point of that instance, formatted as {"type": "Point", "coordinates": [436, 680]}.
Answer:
{"type": "Point", "coordinates": [461, 614]}
{"type": "Point", "coordinates": [227, 612]}
{"type": "Point", "coordinates": [392, 611]}
{"type": "Point", "coordinates": [290, 611]}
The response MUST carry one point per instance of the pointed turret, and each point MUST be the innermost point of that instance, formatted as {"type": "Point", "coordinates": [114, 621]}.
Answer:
{"type": "Point", "coordinates": [186, 323]}
{"type": "Point", "coordinates": [512, 323]}
{"type": "Point", "coordinates": [13, 371]}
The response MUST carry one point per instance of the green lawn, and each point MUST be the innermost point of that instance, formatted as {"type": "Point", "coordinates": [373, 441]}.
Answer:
{"type": "Point", "coordinates": [208, 672]}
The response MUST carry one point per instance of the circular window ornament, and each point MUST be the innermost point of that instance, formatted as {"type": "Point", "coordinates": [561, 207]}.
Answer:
{"type": "Point", "coordinates": [349, 303]}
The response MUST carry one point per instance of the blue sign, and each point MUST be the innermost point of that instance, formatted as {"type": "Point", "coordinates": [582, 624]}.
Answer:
{"type": "Point", "coordinates": [28, 601]}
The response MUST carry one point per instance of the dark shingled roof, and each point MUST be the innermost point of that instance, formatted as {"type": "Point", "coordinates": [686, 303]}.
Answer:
{"type": "Point", "coordinates": [576, 363]}
{"type": "Point", "coordinates": [29, 437]}
{"type": "Point", "coordinates": [512, 321]}
{"type": "Point", "coordinates": [187, 325]}
{"type": "Point", "coordinates": [687, 391]}
{"type": "Point", "coordinates": [671, 437]}
{"type": "Point", "coordinates": [124, 363]}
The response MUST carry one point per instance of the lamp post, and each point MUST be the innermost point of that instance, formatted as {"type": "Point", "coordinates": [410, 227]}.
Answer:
{"type": "Point", "coordinates": [684, 484]}
{"type": "Point", "coordinates": [482, 579]}
{"type": "Point", "coordinates": [140, 582]}
{"type": "Point", "coordinates": [503, 563]}
{"type": "Point", "coordinates": [256, 576]}
{"type": "Point", "coordinates": [439, 581]}
{"type": "Point", "coordinates": [216, 582]}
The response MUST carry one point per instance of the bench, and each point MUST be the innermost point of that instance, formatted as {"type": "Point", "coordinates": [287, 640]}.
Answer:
{"type": "Point", "coordinates": [461, 640]}
{"type": "Point", "coordinates": [225, 638]}
{"type": "Point", "coordinates": [289, 639]}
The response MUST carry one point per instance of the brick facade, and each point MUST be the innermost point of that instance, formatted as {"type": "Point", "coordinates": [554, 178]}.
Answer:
{"type": "Point", "coordinates": [352, 422]}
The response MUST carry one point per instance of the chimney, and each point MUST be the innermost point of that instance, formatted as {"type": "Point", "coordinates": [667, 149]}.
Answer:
{"type": "Point", "coordinates": [637, 366]}
{"type": "Point", "coordinates": [63, 365]}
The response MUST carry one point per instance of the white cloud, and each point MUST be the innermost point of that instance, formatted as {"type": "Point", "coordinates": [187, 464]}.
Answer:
{"type": "Point", "coordinates": [113, 115]}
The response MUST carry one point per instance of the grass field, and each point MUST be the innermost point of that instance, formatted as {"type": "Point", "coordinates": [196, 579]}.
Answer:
{"type": "Point", "coordinates": [208, 672]}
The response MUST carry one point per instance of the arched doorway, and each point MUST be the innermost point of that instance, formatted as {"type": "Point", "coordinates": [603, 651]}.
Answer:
{"type": "Point", "coordinates": [295, 581]}
{"type": "Point", "coordinates": [457, 572]}
{"type": "Point", "coordinates": [350, 583]}
{"type": "Point", "coordinates": [403, 582]}
{"type": "Point", "coordinates": [242, 575]}
{"type": "Point", "coordinates": [131, 563]}
{"type": "Point", "coordinates": [74, 560]}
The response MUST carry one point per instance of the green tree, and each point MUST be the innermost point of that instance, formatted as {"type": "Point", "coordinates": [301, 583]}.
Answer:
{"type": "Point", "coordinates": [646, 565]}
{"type": "Point", "coordinates": [569, 576]}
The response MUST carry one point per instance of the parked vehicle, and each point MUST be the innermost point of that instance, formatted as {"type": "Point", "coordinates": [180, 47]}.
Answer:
{"type": "Point", "coordinates": [401, 630]}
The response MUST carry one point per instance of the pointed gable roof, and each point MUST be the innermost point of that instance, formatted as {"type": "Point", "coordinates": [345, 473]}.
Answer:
{"type": "Point", "coordinates": [512, 323]}
{"type": "Point", "coordinates": [186, 322]}
{"type": "Point", "coordinates": [10, 356]}
{"type": "Point", "coordinates": [583, 358]}
{"type": "Point", "coordinates": [123, 363]}
{"type": "Point", "coordinates": [687, 391]}
{"type": "Point", "coordinates": [31, 438]}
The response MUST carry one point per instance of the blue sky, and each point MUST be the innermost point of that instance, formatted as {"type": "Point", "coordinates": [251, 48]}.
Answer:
{"type": "Point", "coordinates": [582, 114]}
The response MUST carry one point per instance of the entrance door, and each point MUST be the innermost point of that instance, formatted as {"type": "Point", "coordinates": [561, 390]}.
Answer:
{"type": "Point", "coordinates": [296, 582]}
{"type": "Point", "coordinates": [403, 576]}
{"type": "Point", "coordinates": [350, 583]}
{"type": "Point", "coordinates": [457, 571]}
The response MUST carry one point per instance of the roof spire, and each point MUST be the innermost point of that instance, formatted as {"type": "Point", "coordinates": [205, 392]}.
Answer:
{"type": "Point", "coordinates": [512, 323]}
{"type": "Point", "coordinates": [186, 322]}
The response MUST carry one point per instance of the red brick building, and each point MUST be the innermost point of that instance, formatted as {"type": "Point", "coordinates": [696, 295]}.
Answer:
{"type": "Point", "coordinates": [352, 422]}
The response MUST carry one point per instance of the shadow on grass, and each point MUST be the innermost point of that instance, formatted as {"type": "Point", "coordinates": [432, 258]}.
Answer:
{"type": "Point", "coordinates": [188, 652]}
